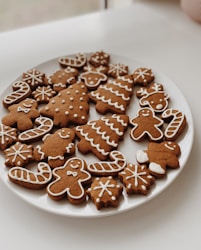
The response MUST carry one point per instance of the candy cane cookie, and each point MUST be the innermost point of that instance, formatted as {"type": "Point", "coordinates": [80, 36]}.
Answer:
{"type": "Point", "coordinates": [177, 123]}
{"type": "Point", "coordinates": [117, 163]}
{"type": "Point", "coordinates": [45, 126]}
{"type": "Point", "coordinates": [29, 179]}
{"type": "Point", "coordinates": [77, 62]}
{"type": "Point", "coordinates": [21, 90]}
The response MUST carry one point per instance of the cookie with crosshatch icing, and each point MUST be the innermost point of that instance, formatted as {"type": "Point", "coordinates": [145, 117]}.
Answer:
{"type": "Point", "coordinates": [99, 58]}
{"type": "Point", "coordinates": [143, 76]}
{"type": "Point", "coordinates": [105, 192]}
{"type": "Point", "coordinates": [136, 178]}
{"type": "Point", "coordinates": [69, 181]}
{"type": "Point", "coordinates": [69, 106]}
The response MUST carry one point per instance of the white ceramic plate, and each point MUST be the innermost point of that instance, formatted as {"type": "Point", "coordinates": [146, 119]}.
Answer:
{"type": "Point", "coordinates": [128, 147]}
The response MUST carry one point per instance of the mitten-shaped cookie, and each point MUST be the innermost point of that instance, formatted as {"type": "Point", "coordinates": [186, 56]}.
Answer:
{"type": "Point", "coordinates": [160, 156]}
{"type": "Point", "coordinates": [22, 114]}
{"type": "Point", "coordinates": [55, 147]}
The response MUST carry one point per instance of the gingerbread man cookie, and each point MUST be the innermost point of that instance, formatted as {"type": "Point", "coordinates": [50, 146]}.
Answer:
{"type": "Point", "coordinates": [22, 114]}
{"type": "Point", "coordinates": [159, 157]}
{"type": "Point", "coordinates": [146, 124]}
{"type": "Point", "coordinates": [69, 181]}
{"type": "Point", "coordinates": [55, 147]}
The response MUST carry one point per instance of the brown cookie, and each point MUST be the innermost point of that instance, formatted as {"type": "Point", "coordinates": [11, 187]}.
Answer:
{"type": "Point", "coordinates": [146, 125]}
{"type": "Point", "coordinates": [104, 168]}
{"type": "Point", "coordinates": [143, 76]}
{"type": "Point", "coordinates": [69, 181]}
{"type": "Point", "coordinates": [159, 157]}
{"type": "Point", "coordinates": [69, 106]}
{"type": "Point", "coordinates": [56, 147]}
{"type": "Point", "coordinates": [93, 79]}
{"type": "Point", "coordinates": [152, 87]}
{"type": "Point", "coordinates": [101, 69]}
{"type": "Point", "coordinates": [136, 178]}
{"type": "Point", "coordinates": [176, 123]}
{"type": "Point", "coordinates": [77, 61]}
{"type": "Point", "coordinates": [114, 96]}
{"type": "Point", "coordinates": [105, 192]}
{"type": "Point", "coordinates": [18, 154]}
{"type": "Point", "coordinates": [22, 114]}
{"type": "Point", "coordinates": [101, 136]}
{"type": "Point", "coordinates": [8, 136]}
{"type": "Point", "coordinates": [21, 90]}
{"type": "Point", "coordinates": [42, 94]}
{"type": "Point", "coordinates": [117, 69]}
{"type": "Point", "coordinates": [62, 78]}
{"type": "Point", "coordinates": [99, 58]}
{"type": "Point", "coordinates": [30, 179]}
{"type": "Point", "coordinates": [34, 78]}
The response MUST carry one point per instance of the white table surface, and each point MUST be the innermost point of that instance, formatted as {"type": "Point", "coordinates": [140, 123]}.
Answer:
{"type": "Point", "coordinates": [160, 34]}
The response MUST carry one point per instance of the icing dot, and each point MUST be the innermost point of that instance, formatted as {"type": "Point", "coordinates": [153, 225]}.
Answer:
{"type": "Point", "coordinates": [71, 98]}
{"type": "Point", "coordinates": [81, 98]}
{"type": "Point", "coordinates": [113, 198]}
{"type": "Point", "coordinates": [46, 108]}
{"type": "Point", "coordinates": [57, 110]}
{"type": "Point", "coordinates": [53, 101]}
{"type": "Point", "coordinates": [68, 92]}
{"type": "Point", "coordinates": [67, 113]}
{"type": "Point", "coordinates": [83, 117]}
{"type": "Point", "coordinates": [80, 107]}
{"type": "Point", "coordinates": [75, 115]}
{"type": "Point", "coordinates": [98, 200]}
{"type": "Point", "coordinates": [63, 101]}
{"type": "Point", "coordinates": [70, 107]}
{"type": "Point", "coordinates": [77, 91]}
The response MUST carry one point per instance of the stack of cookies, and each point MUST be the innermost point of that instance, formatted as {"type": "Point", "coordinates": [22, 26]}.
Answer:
{"type": "Point", "coordinates": [47, 122]}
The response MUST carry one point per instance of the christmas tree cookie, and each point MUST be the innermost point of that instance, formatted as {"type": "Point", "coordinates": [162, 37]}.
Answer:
{"type": "Point", "coordinates": [101, 136]}
{"type": "Point", "coordinates": [114, 96]}
{"type": "Point", "coordinates": [69, 106]}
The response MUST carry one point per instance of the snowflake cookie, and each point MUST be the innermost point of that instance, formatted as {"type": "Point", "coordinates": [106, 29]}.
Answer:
{"type": "Point", "coordinates": [8, 135]}
{"type": "Point", "coordinates": [105, 192]}
{"type": "Point", "coordinates": [34, 78]}
{"type": "Point", "coordinates": [42, 94]}
{"type": "Point", "coordinates": [18, 154]}
{"type": "Point", "coordinates": [136, 178]}
{"type": "Point", "coordinates": [143, 76]}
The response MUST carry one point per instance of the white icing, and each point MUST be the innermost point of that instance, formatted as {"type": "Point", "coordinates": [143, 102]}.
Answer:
{"type": "Point", "coordinates": [142, 156]}
{"type": "Point", "coordinates": [6, 133]}
{"type": "Point", "coordinates": [156, 168]}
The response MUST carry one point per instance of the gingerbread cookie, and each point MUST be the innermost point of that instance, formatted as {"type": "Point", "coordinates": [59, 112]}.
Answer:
{"type": "Point", "coordinates": [136, 178]}
{"type": "Point", "coordinates": [30, 179]}
{"type": "Point", "coordinates": [34, 134]}
{"type": "Point", "coordinates": [21, 90]}
{"type": "Point", "coordinates": [8, 136]}
{"type": "Point", "coordinates": [69, 182]}
{"type": "Point", "coordinates": [117, 69]}
{"type": "Point", "coordinates": [114, 96]}
{"type": "Point", "coordinates": [101, 136]}
{"type": "Point", "coordinates": [104, 168]}
{"type": "Point", "coordinates": [176, 123]}
{"type": "Point", "coordinates": [99, 58]}
{"type": "Point", "coordinates": [55, 147]}
{"type": "Point", "coordinates": [69, 106]}
{"type": "Point", "coordinates": [42, 94]}
{"type": "Point", "coordinates": [152, 87]}
{"type": "Point", "coordinates": [62, 78]}
{"type": "Point", "coordinates": [76, 62]}
{"type": "Point", "coordinates": [18, 154]}
{"type": "Point", "coordinates": [105, 192]}
{"type": "Point", "coordinates": [93, 79]}
{"type": "Point", "coordinates": [143, 76]}
{"type": "Point", "coordinates": [34, 78]}
{"type": "Point", "coordinates": [146, 125]}
{"type": "Point", "coordinates": [159, 157]}
{"type": "Point", "coordinates": [22, 114]}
